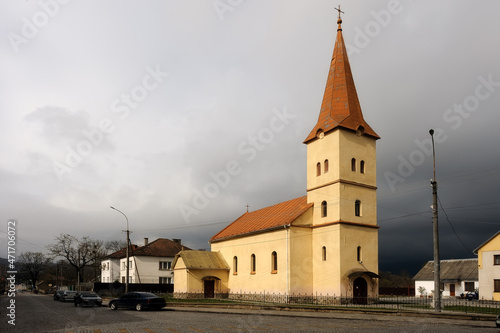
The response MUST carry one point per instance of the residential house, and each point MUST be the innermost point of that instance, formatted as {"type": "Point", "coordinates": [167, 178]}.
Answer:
{"type": "Point", "coordinates": [488, 257]}
{"type": "Point", "coordinates": [323, 243]}
{"type": "Point", "coordinates": [152, 263]}
{"type": "Point", "coordinates": [458, 276]}
{"type": "Point", "coordinates": [110, 265]}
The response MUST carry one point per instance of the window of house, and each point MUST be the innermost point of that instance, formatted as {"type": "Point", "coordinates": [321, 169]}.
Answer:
{"type": "Point", "coordinates": [274, 262]}
{"type": "Point", "coordinates": [496, 286]}
{"type": "Point", "coordinates": [323, 253]}
{"type": "Point", "coordinates": [165, 280]}
{"type": "Point", "coordinates": [318, 169]}
{"type": "Point", "coordinates": [326, 166]}
{"type": "Point", "coordinates": [362, 166]}
{"type": "Point", "coordinates": [496, 260]}
{"type": "Point", "coordinates": [353, 164]}
{"type": "Point", "coordinates": [469, 286]}
{"type": "Point", "coordinates": [359, 254]}
{"type": "Point", "coordinates": [165, 265]}
{"type": "Point", "coordinates": [235, 265]}
{"type": "Point", "coordinates": [123, 266]}
{"type": "Point", "coordinates": [252, 264]}
{"type": "Point", "coordinates": [357, 208]}
{"type": "Point", "coordinates": [324, 209]}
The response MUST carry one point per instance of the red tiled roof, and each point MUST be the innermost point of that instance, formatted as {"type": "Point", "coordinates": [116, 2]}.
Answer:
{"type": "Point", "coordinates": [162, 247]}
{"type": "Point", "coordinates": [264, 219]}
{"type": "Point", "coordinates": [340, 107]}
{"type": "Point", "coordinates": [122, 253]}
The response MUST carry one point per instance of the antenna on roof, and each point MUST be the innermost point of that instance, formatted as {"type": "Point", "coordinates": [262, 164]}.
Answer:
{"type": "Point", "coordinates": [247, 207]}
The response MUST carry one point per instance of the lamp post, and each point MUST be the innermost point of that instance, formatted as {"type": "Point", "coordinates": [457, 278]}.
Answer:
{"type": "Point", "coordinates": [435, 233]}
{"type": "Point", "coordinates": [128, 241]}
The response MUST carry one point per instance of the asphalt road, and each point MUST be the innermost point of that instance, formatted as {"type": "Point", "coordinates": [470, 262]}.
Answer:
{"type": "Point", "coordinates": [39, 313]}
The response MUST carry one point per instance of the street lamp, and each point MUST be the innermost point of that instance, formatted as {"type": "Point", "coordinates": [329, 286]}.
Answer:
{"type": "Point", "coordinates": [128, 241]}
{"type": "Point", "coordinates": [435, 232]}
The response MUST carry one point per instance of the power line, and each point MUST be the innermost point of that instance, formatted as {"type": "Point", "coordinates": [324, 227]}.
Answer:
{"type": "Point", "coordinates": [452, 228]}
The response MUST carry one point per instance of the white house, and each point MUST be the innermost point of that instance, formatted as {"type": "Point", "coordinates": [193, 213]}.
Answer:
{"type": "Point", "coordinates": [457, 276]}
{"type": "Point", "coordinates": [110, 265]}
{"type": "Point", "coordinates": [152, 263]}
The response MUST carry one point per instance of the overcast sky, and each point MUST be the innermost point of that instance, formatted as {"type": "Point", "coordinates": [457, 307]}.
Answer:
{"type": "Point", "coordinates": [180, 113]}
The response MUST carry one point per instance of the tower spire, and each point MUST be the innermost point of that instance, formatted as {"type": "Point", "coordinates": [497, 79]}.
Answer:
{"type": "Point", "coordinates": [340, 107]}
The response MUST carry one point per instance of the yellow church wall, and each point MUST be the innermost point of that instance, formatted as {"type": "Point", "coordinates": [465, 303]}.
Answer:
{"type": "Point", "coordinates": [319, 151]}
{"type": "Point", "coordinates": [326, 269]}
{"type": "Point", "coordinates": [300, 261]}
{"type": "Point", "coordinates": [180, 277]}
{"type": "Point", "coordinates": [361, 148]}
{"type": "Point", "coordinates": [262, 246]}
{"type": "Point", "coordinates": [368, 198]}
{"type": "Point", "coordinates": [351, 237]}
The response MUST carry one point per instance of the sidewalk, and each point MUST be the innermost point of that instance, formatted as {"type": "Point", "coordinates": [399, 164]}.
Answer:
{"type": "Point", "coordinates": [448, 318]}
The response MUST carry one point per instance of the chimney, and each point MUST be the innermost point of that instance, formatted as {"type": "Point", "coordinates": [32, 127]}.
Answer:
{"type": "Point", "coordinates": [146, 241]}
{"type": "Point", "coordinates": [176, 240]}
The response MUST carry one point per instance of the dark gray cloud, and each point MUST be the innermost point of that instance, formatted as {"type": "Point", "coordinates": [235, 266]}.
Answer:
{"type": "Point", "coordinates": [180, 92]}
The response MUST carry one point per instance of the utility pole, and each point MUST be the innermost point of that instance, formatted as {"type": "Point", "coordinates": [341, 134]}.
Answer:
{"type": "Point", "coordinates": [435, 232]}
{"type": "Point", "coordinates": [127, 250]}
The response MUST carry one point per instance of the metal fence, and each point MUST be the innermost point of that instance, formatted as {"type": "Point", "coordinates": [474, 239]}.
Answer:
{"type": "Point", "coordinates": [394, 303]}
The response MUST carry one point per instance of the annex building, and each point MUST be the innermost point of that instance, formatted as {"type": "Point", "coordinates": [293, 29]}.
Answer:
{"type": "Point", "coordinates": [323, 243]}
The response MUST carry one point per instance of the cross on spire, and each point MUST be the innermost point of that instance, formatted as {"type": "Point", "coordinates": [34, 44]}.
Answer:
{"type": "Point", "coordinates": [338, 9]}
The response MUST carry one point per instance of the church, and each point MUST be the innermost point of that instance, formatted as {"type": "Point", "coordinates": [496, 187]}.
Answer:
{"type": "Point", "coordinates": [323, 243]}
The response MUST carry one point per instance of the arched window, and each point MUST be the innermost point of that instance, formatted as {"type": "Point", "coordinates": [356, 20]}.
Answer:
{"type": "Point", "coordinates": [235, 265]}
{"type": "Point", "coordinates": [326, 166]}
{"type": "Point", "coordinates": [357, 208]}
{"type": "Point", "coordinates": [353, 164]}
{"type": "Point", "coordinates": [274, 262]}
{"type": "Point", "coordinates": [359, 255]}
{"type": "Point", "coordinates": [318, 169]}
{"type": "Point", "coordinates": [362, 166]}
{"type": "Point", "coordinates": [323, 209]}
{"type": "Point", "coordinates": [323, 253]}
{"type": "Point", "coordinates": [252, 264]}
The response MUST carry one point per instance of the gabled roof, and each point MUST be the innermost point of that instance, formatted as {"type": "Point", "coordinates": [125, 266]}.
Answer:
{"type": "Point", "coordinates": [340, 107]}
{"type": "Point", "coordinates": [121, 253]}
{"type": "Point", "coordinates": [162, 247]}
{"type": "Point", "coordinates": [452, 270]}
{"type": "Point", "coordinates": [489, 239]}
{"type": "Point", "coordinates": [202, 260]}
{"type": "Point", "coordinates": [265, 219]}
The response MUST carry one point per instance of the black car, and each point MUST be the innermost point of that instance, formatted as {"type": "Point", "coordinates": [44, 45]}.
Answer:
{"type": "Point", "coordinates": [138, 301]}
{"type": "Point", "coordinates": [87, 298]}
{"type": "Point", "coordinates": [58, 294]}
{"type": "Point", "coordinates": [472, 295]}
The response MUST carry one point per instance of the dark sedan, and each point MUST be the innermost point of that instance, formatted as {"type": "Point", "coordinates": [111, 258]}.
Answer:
{"type": "Point", "coordinates": [87, 298]}
{"type": "Point", "coordinates": [58, 294]}
{"type": "Point", "coordinates": [139, 301]}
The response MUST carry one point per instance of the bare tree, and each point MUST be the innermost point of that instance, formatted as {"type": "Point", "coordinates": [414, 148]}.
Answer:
{"type": "Point", "coordinates": [33, 263]}
{"type": "Point", "coordinates": [79, 253]}
{"type": "Point", "coordinates": [115, 245]}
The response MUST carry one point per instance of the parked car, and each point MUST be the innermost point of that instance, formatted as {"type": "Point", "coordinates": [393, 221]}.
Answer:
{"type": "Point", "coordinates": [57, 295]}
{"type": "Point", "coordinates": [87, 298]}
{"type": "Point", "coordinates": [472, 295]}
{"type": "Point", "coordinates": [138, 301]}
{"type": "Point", "coordinates": [68, 295]}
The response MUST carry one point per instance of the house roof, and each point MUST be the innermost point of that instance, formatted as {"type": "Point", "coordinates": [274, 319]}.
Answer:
{"type": "Point", "coordinates": [452, 270]}
{"type": "Point", "coordinates": [121, 253]}
{"type": "Point", "coordinates": [340, 107]}
{"type": "Point", "coordinates": [202, 260]}
{"type": "Point", "coordinates": [161, 247]}
{"type": "Point", "coordinates": [264, 219]}
{"type": "Point", "coordinates": [489, 239]}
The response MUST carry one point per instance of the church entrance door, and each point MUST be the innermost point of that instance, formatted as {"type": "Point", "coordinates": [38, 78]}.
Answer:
{"type": "Point", "coordinates": [209, 288]}
{"type": "Point", "coordinates": [360, 291]}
